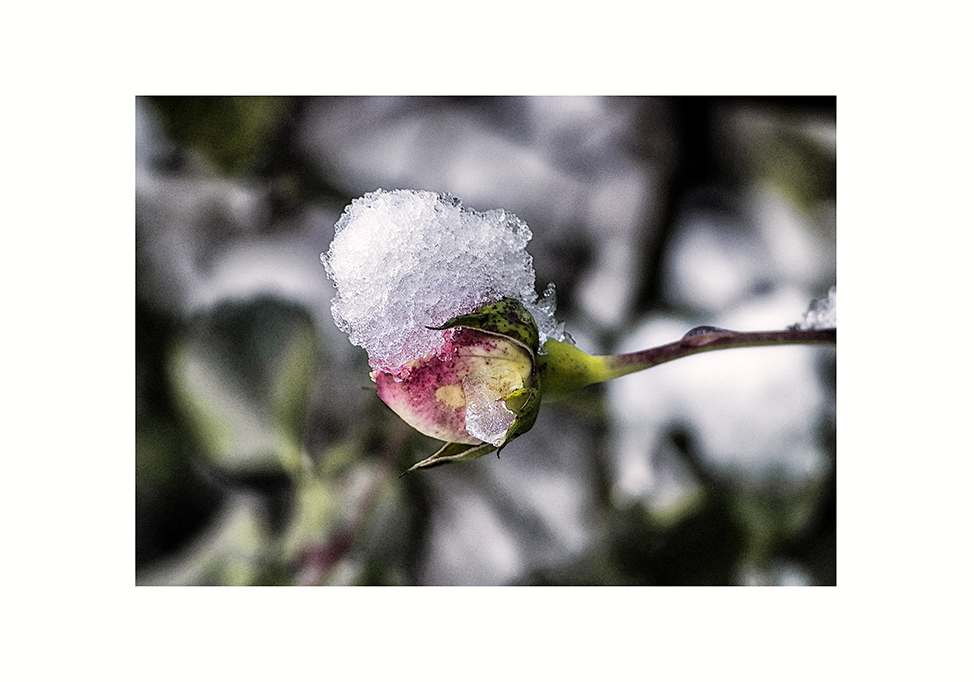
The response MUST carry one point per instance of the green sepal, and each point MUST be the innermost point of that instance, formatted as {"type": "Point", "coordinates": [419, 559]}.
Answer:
{"type": "Point", "coordinates": [524, 417]}
{"type": "Point", "coordinates": [507, 318]}
{"type": "Point", "coordinates": [452, 452]}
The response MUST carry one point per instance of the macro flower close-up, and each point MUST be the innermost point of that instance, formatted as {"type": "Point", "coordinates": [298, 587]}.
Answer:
{"type": "Point", "coordinates": [628, 303]}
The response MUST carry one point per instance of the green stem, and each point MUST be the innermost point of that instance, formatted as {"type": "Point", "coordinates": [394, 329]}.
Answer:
{"type": "Point", "coordinates": [565, 368]}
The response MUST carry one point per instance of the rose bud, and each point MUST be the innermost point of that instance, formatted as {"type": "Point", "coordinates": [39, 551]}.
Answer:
{"type": "Point", "coordinates": [439, 296]}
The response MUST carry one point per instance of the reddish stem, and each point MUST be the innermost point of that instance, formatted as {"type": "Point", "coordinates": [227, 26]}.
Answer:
{"type": "Point", "coordinates": [703, 339]}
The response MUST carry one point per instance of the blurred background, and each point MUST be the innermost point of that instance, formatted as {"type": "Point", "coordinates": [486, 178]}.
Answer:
{"type": "Point", "coordinates": [263, 455]}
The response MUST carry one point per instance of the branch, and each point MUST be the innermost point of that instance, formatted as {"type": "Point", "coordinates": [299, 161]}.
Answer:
{"type": "Point", "coordinates": [565, 368]}
{"type": "Point", "coordinates": [704, 339]}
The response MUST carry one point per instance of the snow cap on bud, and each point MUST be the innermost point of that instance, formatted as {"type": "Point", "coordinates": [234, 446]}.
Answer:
{"type": "Point", "coordinates": [404, 261]}
{"type": "Point", "coordinates": [443, 299]}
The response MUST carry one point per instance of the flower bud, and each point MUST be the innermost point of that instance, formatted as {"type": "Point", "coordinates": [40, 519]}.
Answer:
{"type": "Point", "coordinates": [481, 388]}
{"type": "Point", "coordinates": [405, 260]}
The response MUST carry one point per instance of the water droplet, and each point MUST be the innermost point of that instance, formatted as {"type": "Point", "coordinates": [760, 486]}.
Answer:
{"type": "Point", "coordinates": [698, 331]}
{"type": "Point", "coordinates": [700, 336]}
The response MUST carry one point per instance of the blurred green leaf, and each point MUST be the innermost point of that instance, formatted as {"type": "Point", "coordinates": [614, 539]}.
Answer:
{"type": "Point", "coordinates": [242, 379]}
{"type": "Point", "coordinates": [230, 552]}
{"type": "Point", "coordinates": [293, 383]}
{"type": "Point", "coordinates": [233, 132]}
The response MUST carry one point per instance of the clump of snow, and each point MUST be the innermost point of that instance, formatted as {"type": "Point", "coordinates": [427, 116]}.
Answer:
{"type": "Point", "coordinates": [821, 313]}
{"type": "Point", "coordinates": [405, 260]}
{"type": "Point", "coordinates": [543, 312]}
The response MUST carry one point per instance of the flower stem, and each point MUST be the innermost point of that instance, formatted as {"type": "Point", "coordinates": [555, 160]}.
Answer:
{"type": "Point", "coordinates": [565, 368]}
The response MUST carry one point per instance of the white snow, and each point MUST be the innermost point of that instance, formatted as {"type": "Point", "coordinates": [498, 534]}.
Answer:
{"type": "Point", "coordinates": [821, 313]}
{"type": "Point", "coordinates": [405, 260]}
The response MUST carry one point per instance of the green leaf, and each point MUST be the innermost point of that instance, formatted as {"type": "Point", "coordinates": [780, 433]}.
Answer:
{"type": "Point", "coordinates": [242, 376]}
{"type": "Point", "coordinates": [233, 132]}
